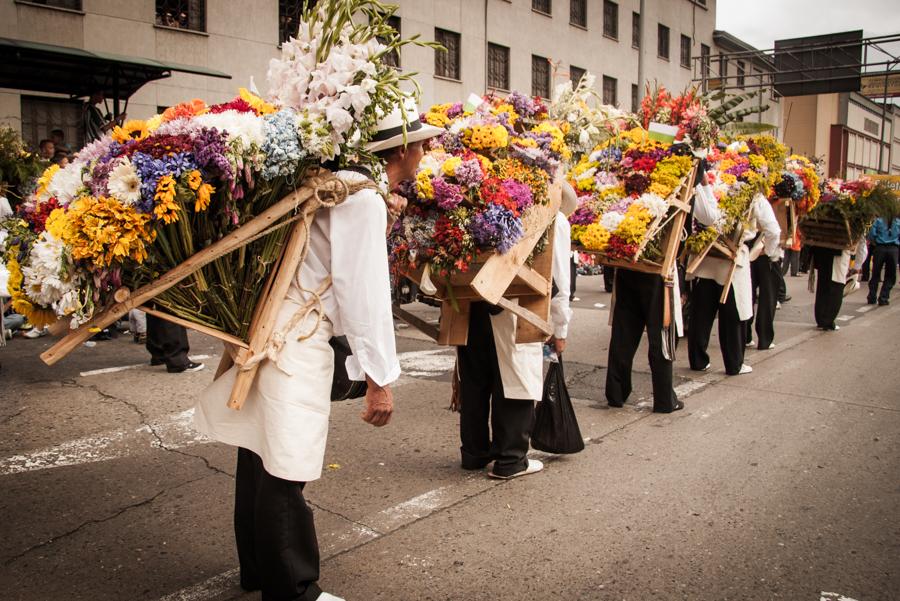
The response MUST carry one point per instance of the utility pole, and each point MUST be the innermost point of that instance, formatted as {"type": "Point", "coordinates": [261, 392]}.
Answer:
{"type": "Point", "coordinates": [641, 43]}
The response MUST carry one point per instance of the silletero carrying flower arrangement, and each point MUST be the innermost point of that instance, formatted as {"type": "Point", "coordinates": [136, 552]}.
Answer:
{"type": "Point", "coordinates": [145, 198]}
{"type": "Point", "coordinates": [846, 211]}
{"type": "Point", "coordinates": [627, 191]}
{"type": "Point", "coordinates": [476, 184]}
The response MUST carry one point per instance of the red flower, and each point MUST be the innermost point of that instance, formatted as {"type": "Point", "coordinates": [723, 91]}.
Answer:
{"type": "Point", "coordinates": [238, 104]}
{"type": "Point", "coordinates": [493, 192]}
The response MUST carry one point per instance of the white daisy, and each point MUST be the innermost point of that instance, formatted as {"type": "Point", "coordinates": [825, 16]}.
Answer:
{"type": "Point", "coordinates": [124, 183]}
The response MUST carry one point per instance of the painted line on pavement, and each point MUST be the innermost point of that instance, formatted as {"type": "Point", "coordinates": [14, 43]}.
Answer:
{"type": "Point", "coordinates": [845, 317]}
{"type": "Point", "coordinates": [600, 305]}
{"type": "Point", "coordinates": [865, 308]}
{"type": "Point", "coordinates": [112, 370]}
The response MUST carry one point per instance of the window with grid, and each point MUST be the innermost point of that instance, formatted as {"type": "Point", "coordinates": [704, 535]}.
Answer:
{"type": "Point", "coordinates": [662, 41]}
{"type": "Point", "coordinates": [685, 52]}
{"type": "Point", "coordinates": [704, 60]}
{"type": "Point", "coordinates": [540, 76]}
{"type": "Point", "coordinates": [289, 13]}
{"type": "Point", "coordinates": [741, 72]}
{"type": "Point", "coordinates": [578, 12]}
{"type": "Point", "coordinates": [610, 19]}
{"type": "Point", "coordinates": [542, 6]}
{"type": "Point", "coordinates": [446, 64]}
{"type": "Point", "coordinates": [635, 30]}
{"type": "Point", "coordinates": [182, 14]}
{"type": "Point", "coordinates": [393, 58]}
{"type": "Point", "coordinates": [609, 90]}
{"type": "Point", "coordinates": [635, 98]}
{"type": "Point", "coordinates": [575, 74]}
{"type": "Point", "coordinates": [70, 4]}
{"type": "Point", "coordinates": [498, 67]}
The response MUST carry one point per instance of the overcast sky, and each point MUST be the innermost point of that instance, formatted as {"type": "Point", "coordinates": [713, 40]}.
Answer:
{"type": "Point", "coordinates": [761, 22]}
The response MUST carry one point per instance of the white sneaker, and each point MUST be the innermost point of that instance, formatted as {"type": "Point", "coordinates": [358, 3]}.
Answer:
{"type": "Point", "coordinates": [745, 369]}
{"type": "Point", "coordinates": [777, 305]}
{"type": "Point", "coordinates": [534, 466]}
{"type": "Point", "coordinates": [706, 367]}
{"type": "Point", "coordinates": [36, 332]}
{"type": "Point", "coordinates": [769, 348]}
{"type": "Point", "coordinates": [576, 299]}
{"type": "Point", "coordinates": [748, 344]}
{"type": "Point", "coordinates": [328, 597]}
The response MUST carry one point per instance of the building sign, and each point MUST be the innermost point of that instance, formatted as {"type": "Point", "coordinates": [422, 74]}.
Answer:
{"type": "Point", "coordinates": [873, 86]}
{"type": "Point", "coordinates": [892, 181]}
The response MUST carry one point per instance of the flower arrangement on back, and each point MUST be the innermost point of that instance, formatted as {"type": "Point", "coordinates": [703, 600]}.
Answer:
{"type": "Point", "coordinates": [688, 112]}
{"type": "Point", "coordinates": [799, 181]}
{"type": "Point", "coordinates": [150, 194]}
{"type": "Point", "coordinates": [494, 161]}
{"type": "Point", "coordinates": [859, 202]}
{"type": "Point", "coordinates": [623, 187]}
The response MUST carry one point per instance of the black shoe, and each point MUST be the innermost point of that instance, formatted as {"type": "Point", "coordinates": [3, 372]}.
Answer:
{"type": "Point", "coordinates": [870, 301]}
{"type": "Point", "coordinates": [786, 298]}
{"type": "Point", "coordinates": [676, 406]}
{"type": "Point", "coordinates": [187, 368]}
{"type": "Point", "coordinates": [155, 361]}
{"type": "Point", "coordinates": [615, 404]}
{"type": "Point", "coordinates": [474, 464]}
{"type": "Point", "coordinates": [883, 302]}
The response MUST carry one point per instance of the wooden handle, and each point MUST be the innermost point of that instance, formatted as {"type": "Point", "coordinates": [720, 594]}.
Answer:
{"type": "Point", "coordinates": [667, 310]}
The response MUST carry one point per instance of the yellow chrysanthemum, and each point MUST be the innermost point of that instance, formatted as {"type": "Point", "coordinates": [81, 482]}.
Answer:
{"type": "Point", "coordinates": [203, 194]}
{"type": "Point", "coordinates": [510, 111]}
{"type": "Point", "coordinates": [595, 237]}
{"type": "Point", "coordinates": [437, 119]}
{"type": "Point", "coordinates": [729, 179]}
{"type": "Point", "coordinates": [486, 137]}
{"type": "Point", "coordinates": [166, 208]}
{"type": "Point", "coordinates": [450, 165]}
{"type": "Point", "coordinates": [44, 181]}
{"type": "Point", "coordinates": [135, 129]}
{"type": "Point", "coordinates": [423, 184]}
{"type": "Point", "coordinates": [259, 105]}
{"type": "Point", "coordinates": [104, 231]}
{"type": "Point", "coordinates": [154, 122]}
{"type": "Point", "coordinates": [577, 233]}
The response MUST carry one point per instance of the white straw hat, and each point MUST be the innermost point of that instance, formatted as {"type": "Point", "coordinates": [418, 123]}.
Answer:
{"type": "Point", "coordinates": [569, 199]}
{"type": "Point", "coordinates": [390, 129]}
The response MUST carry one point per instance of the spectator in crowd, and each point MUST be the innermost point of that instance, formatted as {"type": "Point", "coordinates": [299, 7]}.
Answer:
{"type": "Point", "coordinates": [59, 141]}
{"type": "Point", "coordinates": [137, 323]}
{"type": "Point", "coordinates": [61, 158]}
{"type": "Point", "coordinates": [95, 122]}
{"type": "Point", "coordinates": [884, 236]}
{"type": "Point", "coordinates": [46, 149]}
{"type": "Point", "coordinates": [792, 256]}
{"type": "Point", "coordinates": [168, 345]}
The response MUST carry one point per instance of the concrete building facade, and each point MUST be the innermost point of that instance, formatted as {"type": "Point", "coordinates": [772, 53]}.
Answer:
{"type": "Point", "coordinates": [524, 45]}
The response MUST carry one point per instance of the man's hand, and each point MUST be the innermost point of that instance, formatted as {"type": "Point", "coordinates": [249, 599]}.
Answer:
{"type": "Point", "coordinates": [558, 344]}
{"type": "Point", "coordinates": [379, 404]}
{"type": "Point", "coordinates": [396, 204]}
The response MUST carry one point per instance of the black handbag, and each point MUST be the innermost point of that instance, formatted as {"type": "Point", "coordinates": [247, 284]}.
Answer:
{"type": "Point", "coordinates": [342, 387]}
{"type": "Point", "coordinates": [555, 425]}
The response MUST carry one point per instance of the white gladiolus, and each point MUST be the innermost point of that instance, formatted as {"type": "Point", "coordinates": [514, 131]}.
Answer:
{"type": "Point", "coordinates": [238, 125]}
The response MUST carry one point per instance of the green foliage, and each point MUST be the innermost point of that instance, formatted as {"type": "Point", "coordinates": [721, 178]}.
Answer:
{"type": "Point", "coordinates": [18, 167]}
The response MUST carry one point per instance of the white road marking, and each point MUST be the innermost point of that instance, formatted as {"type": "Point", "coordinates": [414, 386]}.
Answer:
{"type": "Point", "coordinates": [865, 308]}
{"type": "Point", "coordinates": [112, 370]}
{"type": "Point", "coordinates": [834, 597]}
{"type": "Point", "coordinates": [845, 317]}
{"type": "Point", "coordinates": [175, 430]}
{"type": "Point", "coordinates": [600, 305]}
{"type": "Point", "coordinates": [208, 589]}
{"type": "Point", "coordinates": [686, 388]}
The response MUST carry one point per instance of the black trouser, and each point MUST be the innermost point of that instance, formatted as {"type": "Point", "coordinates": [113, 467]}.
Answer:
{"type": "Point", "coordinates": [609, 274]}
{"type": "Point", "coordinates": [484, 410]}
{"type": "Point", "coordinates": [791, 261]}
{"type": "Point", "coordinates": [573, 275]}
{"type": "Point", "coordinates": [805, 257]}
{"type": "Point", "coordinates": [638, 307]}
{"type": "Point", "coordinates": [765, 277]}
{"type": "Point", "coordinates": [866, 268]}
{"type": "Point", "coordinates": [884, 256]}
{"type": "Point", "coordinates": [167, 342]}
{"type": "Point", "coordinates": [275, 534]}
{"type": "Point", "coordinates": [829, 294]}
{"type": "Point", "coordinates": [705, 294]}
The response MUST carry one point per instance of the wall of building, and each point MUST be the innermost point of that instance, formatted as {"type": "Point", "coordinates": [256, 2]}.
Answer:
{"type": "Point", "coordinates": [242, 36]}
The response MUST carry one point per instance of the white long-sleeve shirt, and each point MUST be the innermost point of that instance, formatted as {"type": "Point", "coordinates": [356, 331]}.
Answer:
{"type": "Point", "coordinates": [560, 313]}
{"type": "Point", "coordinates": [348, 243]}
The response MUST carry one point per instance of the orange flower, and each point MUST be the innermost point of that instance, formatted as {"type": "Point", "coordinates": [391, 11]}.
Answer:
{"type": "Point", "coordinates": [203, 194]}
{"type": "Point", "coordinates": [185, 109]}
{"type": "Point", "coordinates": [166, 207]}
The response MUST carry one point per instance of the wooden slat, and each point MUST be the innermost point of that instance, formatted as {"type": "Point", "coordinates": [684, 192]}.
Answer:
{"type": "Point", "coordinates": [529, 316]}
{"type": "Point", "coordinates": [226, 338]}
{"type": "Point", "coordinates": [454, 324]}
{"type": "Point", "coordinates": [416, 322]}
{"type": "Point", "coordinates": [229, 243]}
{"type": "Point", "coordinates": [534, 280]}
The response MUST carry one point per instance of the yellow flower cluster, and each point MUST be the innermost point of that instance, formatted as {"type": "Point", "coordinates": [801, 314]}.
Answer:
{"type": "Point", "coordinates": [577, 233]}
{"type": "Point", "coordinates": [450, 165]}
{"type": "Point", "coordinates": [595, 237]}
{"type": "Point", "coordinates": [102, 230]}
{"type": "Point", "coordinates": [486, 137]}
{"type": "Point", "coordinates": [668, 173]}
{"type": "Point", "coordinates": [43, 182]}
{"type": "Point", "coordinates": [437, 115]}
{"type": "Point", "coordinates": [258, 104]}
{"type": "Point", "coordinates": [166, 207]}
{"type": "Point", "coordinates": [558, 138]}
{"type": "Point", "coordinates": [203, 191]}
{"type": "Point", "coordinates": [633, 228]}
{"type": "Point", "coordinates": [423, 184]}
{"type": "Point", "coordinates": [534, 177]}
{"type": "Point", "coordinates": [507, 108]}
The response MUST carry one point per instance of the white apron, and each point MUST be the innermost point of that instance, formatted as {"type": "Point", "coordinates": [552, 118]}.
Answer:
{"type": "Point", "coordinates": [285, 417]}
{"type": "Point", "coordinates": [521, 365]}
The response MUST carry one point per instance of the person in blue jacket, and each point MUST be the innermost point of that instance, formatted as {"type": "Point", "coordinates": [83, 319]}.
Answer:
{"type": "Point", "coordinates": [884, 239]}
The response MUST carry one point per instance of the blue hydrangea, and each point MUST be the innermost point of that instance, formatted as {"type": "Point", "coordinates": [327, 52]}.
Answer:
{"type": "Point", "coordinates": [282, 146]}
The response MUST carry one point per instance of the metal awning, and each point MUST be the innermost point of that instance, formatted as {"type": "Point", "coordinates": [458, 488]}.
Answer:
{"type": "Point", "coordinates": [63, 70]}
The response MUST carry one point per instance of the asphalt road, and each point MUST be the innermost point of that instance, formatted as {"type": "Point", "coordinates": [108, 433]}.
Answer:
{"type": "Point", "coordinates": [780, 484]}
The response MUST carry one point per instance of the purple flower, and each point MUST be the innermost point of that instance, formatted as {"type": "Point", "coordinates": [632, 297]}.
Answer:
{"type": "Point", "coordinates": [455, 111]}
{"type": "Point", "coordinates": [446, 195]}
{"type": "Point", "coordinates": [520, 193]}
{"type": "Point", "coordinates": [150, 170]}
{"type": "Point", "coordinates": [497, 227]}
{"type": "Point", "coordinates": [469, 173]}
{"type": "Point", "coordinates": [583, 215]}
{"type": "Point", "coordinates": [450, 142]}
{"type": "Point", "coordinates": [210, 152]}
{"type": "Point", "coordinates": [524, 105]}
{"type": "Point", "coordinates": [407, 189]}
